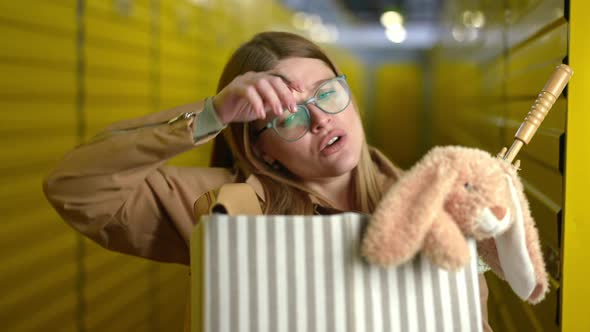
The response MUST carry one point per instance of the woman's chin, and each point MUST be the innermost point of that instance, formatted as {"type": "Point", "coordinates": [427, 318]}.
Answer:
{"type": "Point", "coordinates": [342, 165]}
{"type": "Point", "coordinates": [338, 168]}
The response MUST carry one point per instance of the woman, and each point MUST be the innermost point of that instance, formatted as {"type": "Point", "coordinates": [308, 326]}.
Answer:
{"type": "Point", "coordinates": [294, 133]}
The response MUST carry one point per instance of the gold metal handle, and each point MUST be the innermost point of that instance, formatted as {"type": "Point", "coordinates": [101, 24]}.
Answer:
{"type": "Point", "coordinates": [551, 91]}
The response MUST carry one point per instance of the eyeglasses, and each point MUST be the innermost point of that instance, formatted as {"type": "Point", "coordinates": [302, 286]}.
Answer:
{"type": "Point", "coordinates": [332, 97]}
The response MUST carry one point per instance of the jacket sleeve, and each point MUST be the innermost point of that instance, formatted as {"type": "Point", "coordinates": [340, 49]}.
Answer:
{"type": "Point", "coordinates": [116, 189]}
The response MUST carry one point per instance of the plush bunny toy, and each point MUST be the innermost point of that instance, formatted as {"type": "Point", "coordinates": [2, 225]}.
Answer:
{"type": "Point", "coordinates": [453, 193]}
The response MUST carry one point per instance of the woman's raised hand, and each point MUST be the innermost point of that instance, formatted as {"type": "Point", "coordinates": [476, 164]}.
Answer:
{"type": "Point", "coordinates": [251, 95]}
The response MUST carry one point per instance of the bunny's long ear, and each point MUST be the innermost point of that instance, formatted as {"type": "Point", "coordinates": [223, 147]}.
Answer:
{"type": "Point", "coordinates": [518, 250]}
{"type": "Point", "coordinates": [405, 214]}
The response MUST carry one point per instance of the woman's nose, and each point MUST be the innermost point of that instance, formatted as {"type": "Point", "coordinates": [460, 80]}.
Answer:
{"type": "Point", "coordinates": [319, 118]}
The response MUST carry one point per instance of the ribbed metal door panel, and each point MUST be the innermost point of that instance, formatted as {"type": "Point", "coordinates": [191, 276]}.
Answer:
{"type": "Point", "coordinates": [37, 89]}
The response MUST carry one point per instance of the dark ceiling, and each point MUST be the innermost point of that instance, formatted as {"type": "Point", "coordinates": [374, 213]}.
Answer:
{"type": "Point", "coordinates": [415, 11]}
{"type": "Point", "coordinates": [357, 22]}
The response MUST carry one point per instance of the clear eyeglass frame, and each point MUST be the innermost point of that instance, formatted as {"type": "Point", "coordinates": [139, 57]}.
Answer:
{"type": "Point", "coordinates": [302, 107]}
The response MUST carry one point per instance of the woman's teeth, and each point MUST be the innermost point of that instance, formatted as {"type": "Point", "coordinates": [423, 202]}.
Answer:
{"type": "Point", "coordinates": [334, 139]}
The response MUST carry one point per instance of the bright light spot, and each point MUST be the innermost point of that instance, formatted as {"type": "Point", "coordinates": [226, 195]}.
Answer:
{"type": "Point", "coordinates": [474, 19]}
{"type": "Point", "coordinates": [324, 33]}
{"type": "Point", "coordinates": [299, 20]}
{"type": "Point", "coordinates": [302, 21]}
{"type": "Point", "coordinates": [320, 34]}
{"type": "Point", "coordinates": [462, 34]}
{"type": "Point", "coordinates": [458, 34]}
{"type": "Point", "coordinates": [391, 19]}
{"type": "Point", "coordinates": [314, 28]}
{"type": "Point", "coordinates": [397, 34]}
{"type": "Point", "coordinates": [478, 20]}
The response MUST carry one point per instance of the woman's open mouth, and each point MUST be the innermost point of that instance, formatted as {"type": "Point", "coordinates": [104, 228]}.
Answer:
{"type": "Point", "coordinates": [334, 144]}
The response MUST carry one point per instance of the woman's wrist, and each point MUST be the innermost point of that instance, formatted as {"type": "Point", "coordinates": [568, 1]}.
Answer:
{"type": "Point", "coordinates": [207, 121]}
{"type": "Point", "coordinates": [212, 107]}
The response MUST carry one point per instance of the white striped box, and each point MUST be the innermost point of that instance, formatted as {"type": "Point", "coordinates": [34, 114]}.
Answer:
{"type": "Point", "coordinates": [305, 273]}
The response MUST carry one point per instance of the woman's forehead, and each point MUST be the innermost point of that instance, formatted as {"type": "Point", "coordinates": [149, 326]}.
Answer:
{"type": "Point", "coordinates": [310, 72]}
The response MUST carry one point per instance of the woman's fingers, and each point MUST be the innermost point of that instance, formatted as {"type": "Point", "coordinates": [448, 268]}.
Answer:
{"type": "Point", "coordinates": [277, 95]}
{"type": "Point", "coordinates": [296, 85]}
{"type": "Point", "coordinates": [269, 95]}
{"type": "Point", "coordinates": [255, 101]}
{"type": "Point", "coordinates": [284, 93]}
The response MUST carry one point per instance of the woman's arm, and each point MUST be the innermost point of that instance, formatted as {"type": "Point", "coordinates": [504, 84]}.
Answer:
{"type": "Point", "coordinates": [117, 191]}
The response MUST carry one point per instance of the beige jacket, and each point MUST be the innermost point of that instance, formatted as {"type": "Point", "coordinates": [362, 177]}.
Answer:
{"type": "Point", "coordinates": [116, 189]}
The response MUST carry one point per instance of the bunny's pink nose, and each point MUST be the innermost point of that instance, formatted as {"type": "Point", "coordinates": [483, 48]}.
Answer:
{"type": "Point", "coordinates": [498, 211]}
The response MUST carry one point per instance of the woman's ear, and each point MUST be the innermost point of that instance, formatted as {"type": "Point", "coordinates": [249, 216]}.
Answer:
{"type": "Point", "coordinates": [257, 153]}
{"type": "Point", "coordinates": [268, 159]}
{"type": "Point", "coordinates": [407, 211]}
{"type": "Point", "coordinates": [256, 149]}
{"type": "Point", "coordinates": [515, 254]}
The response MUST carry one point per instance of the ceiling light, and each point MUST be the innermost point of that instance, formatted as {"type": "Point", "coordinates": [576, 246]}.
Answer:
{"type": "Point", "coordinates": [390, 19]}
{"type": "Point", "coordinates": [458, 33]}
{"type": "Point", "coordinates": [478, 19]}
{"type": "Point", "coordinates": [302, 21]}
{"type": "Point", "coordinates": [473, 19]}
{"type": "Point", "coordinates": [396, 35]}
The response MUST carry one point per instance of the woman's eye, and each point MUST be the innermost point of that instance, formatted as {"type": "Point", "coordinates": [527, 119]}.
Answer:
{"type": "Point", "coordinates": [325, 94]}
{"type": "Point", "coordinates": [289, 121]}
{"type": "Point", "coordinates": [469, 186]}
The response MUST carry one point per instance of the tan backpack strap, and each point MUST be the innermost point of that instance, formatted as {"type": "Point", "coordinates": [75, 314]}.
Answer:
{"type": "Point", "coordinates": [203, 204]}
{"type": "Point", "coordinates": [231, 198]}
{"type": "Point", "coordinates": [237, 198]}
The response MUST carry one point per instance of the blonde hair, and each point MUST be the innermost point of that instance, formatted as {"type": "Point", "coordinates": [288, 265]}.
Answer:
{"type": "Point", "coordinates": [283, 193]}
